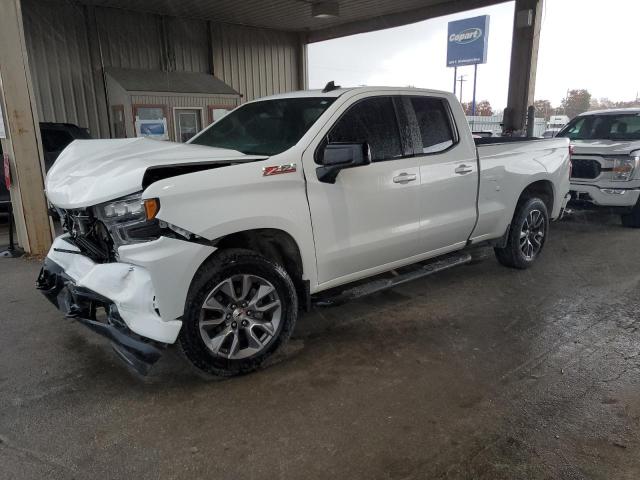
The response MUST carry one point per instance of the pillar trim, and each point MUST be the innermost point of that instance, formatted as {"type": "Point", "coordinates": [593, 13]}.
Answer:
{"type": "Point", "coordinates": [23, 144]}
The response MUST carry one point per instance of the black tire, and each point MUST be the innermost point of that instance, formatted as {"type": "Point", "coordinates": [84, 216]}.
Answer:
{"type": "Point", "coordinates": [231, 264]}
{"type": "Point", "coordinates": [632, 219]}
{"type": "Point", "coordinates": [512, 255]}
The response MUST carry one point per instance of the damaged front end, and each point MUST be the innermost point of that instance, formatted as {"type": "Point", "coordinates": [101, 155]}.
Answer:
{"type": "Point", "coordinates": [100, 314]}
{"type": "Point", "coordinates": [102, 270]}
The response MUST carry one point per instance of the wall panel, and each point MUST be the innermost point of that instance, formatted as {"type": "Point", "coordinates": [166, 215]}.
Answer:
{"type": "Point", "coordinates": [129, 39]}
{"type": "Point", "coordinates": [60, 64]}
{"type": "Point", "coordinates": [256, 62]}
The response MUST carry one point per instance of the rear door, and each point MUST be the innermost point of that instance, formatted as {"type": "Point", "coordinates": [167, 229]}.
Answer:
{"type": "Point", "coordinates": [447, 161]}
{"type": "Point", "coordinates": [370, 216]}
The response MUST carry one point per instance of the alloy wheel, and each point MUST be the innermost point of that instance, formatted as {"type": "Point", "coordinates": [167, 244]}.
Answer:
{"type": "Point", "coordinates": [532, 234]}
{"type": "Point", "coordinates": [240, 316]}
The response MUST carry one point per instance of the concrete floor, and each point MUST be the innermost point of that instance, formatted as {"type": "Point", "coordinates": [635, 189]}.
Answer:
{"type": "Point", "coordinates": [480, 372]}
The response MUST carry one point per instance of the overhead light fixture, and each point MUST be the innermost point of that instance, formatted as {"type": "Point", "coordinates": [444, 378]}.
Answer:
{"type": "Point", "coordinates": [325, 9]}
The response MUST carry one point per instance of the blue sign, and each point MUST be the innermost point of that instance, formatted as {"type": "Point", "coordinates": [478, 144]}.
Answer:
{"type": "Point", "coordinates": [467, 41]}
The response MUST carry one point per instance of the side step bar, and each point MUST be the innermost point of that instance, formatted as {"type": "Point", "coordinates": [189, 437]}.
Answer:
{"type": "Point", "coordinates": [379, 284]}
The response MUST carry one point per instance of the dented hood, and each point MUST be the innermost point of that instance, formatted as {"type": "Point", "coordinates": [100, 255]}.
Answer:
{"type": "Point", "coordinates": [89, 172]}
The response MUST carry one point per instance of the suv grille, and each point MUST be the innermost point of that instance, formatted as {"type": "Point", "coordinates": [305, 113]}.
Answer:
{"type": "Point", "coordinates": [585, 168]}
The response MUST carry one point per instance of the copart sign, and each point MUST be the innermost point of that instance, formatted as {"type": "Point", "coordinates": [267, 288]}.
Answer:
{"type": "Point", "coordinates": [467, 41]}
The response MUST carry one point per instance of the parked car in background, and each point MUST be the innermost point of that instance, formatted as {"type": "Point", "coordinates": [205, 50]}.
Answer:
{"type": "Point", "coordinates": [605, 160]}
{"type": "Point", "coordinates": [55, 138]}
{"type": "Point", "coordinates": [217, 244]}
{"type": "Point", "coordinates": [550, 133]}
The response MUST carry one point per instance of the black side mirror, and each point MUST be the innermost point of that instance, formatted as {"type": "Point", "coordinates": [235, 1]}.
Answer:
{"type": "Point", "coordinates": [338, 156]}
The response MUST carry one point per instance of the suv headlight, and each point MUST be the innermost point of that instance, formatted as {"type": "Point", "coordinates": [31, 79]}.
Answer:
{"type": "Point", "coordinates": [623, 167]}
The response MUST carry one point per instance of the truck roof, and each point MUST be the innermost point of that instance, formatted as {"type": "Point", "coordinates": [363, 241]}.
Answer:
{"type": "Point", "coordinates": [612, 111]}
{"type": "Point", "coordinates": [339, 91]}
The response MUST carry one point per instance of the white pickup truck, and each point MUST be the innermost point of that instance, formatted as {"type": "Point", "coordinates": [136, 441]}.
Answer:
{"type": "Point", "coordinates": [606, 161]}
{"type": "Point", "coordinates": [218, 244]}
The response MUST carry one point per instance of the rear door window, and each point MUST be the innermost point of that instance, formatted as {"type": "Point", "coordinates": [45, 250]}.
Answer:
{"type": "Point", "coordinates": [373, 121]}
{"type": "Point", "coordinates": [432, 116]}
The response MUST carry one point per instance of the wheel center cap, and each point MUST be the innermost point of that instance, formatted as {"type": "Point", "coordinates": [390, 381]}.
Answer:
{"type": "Point", "coordinates": [238, 312]}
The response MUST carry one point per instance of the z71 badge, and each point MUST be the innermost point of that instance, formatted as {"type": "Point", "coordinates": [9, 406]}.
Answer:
{"type": "Point", "coordinates": [278, 169]}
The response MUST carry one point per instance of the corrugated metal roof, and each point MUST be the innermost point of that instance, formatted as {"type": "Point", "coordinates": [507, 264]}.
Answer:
{"type": "Point", "coordinates": [292, 15]}
{"type": "Point", "coordinates": [178, 82]}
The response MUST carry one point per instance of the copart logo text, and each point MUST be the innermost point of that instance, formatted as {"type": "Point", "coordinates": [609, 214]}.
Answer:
{"type": "Point", "coordinates": [466, 36]}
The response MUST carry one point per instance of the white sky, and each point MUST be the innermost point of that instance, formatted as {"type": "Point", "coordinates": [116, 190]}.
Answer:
{"type": "Point", "coordinates": [582, 45]}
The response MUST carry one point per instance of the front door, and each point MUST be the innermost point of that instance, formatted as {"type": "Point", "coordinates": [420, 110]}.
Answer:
{"type": "Point", "coordinates": [369, 217]}
{"type": "Point", "coordinates": [188, 123]}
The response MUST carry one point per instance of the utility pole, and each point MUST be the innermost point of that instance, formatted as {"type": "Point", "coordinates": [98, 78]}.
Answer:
{"type": "Point", "coordinates": [473, 101]}
{"type": "Point", "coordinates": [461, 79]}
{"type": "Point", "coordinates": [455, 79]}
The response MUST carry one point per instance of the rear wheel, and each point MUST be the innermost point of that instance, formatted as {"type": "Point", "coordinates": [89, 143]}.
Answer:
{"type": "Point", "coordinates": [241, 308]}
{"type": "Point", "coordinates": [527, 234]}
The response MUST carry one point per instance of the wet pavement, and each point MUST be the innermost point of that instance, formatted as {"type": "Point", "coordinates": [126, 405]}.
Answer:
{"type": "Point", "coordinates": [479, 372]}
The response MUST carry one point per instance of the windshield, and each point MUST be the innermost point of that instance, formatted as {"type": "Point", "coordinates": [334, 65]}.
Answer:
{"type": "Point", "coordinates": [267, 127]}
{"type": "Point", "coordinates": [603, 127]}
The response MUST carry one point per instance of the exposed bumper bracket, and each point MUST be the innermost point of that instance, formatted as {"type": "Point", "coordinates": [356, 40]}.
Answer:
{"type": "Point", "coordinates": [81, 304]}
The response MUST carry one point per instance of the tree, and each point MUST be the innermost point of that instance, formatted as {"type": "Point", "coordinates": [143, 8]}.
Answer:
{"type": "Point", "coordinates": [576, 102]}
{"type": "Point", "coordinates": [543, 109]}
{"type": "Point", "coordinates": [483, 108]}
{"type": "Point", "coordinates": [604, 104]}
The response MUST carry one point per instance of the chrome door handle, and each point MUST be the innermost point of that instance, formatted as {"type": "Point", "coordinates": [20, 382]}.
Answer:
{"type": "Point", "coordinates": [404, 178]}
{"type": "Point", "coordinates": [463, 169]}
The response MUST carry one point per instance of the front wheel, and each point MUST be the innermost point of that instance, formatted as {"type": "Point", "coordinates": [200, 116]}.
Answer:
{"type": "Point", "coordinates": [241, 307]}
{"type": "Point", "coordinates": [632, 219]}
{"type": "Point", "coordinates": [527, 234]}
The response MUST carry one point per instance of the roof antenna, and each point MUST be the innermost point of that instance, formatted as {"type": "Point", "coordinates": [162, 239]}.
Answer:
{"type": "Point", "coordinates": [330, 86]}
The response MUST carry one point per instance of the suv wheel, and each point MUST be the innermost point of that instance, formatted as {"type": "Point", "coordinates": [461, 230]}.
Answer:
{"type": "Point", "coordinates": [527, 234]}
{"type": "Point", "coordinates": [632, 219]}
{"type": "Point", "coordinates": [241, 307]}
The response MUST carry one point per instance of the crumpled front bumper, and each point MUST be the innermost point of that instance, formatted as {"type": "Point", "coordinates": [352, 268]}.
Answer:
{"type": "Point", "coordinates": [143, 299]}
{"type": "Point", "coordinates": [82, 304]}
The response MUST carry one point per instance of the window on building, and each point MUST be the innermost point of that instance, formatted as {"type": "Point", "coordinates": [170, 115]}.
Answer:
{"type": "Point", "coordinates": [434, 123]}
{"type": "Point", "coordinates": [151, 121]}
{"type": "Point", "coordinates": [149, 113]}
{"type": "Point", "coordinates": [373, 121]}
{"type": "Point", "coordinates": [117, 121]}
{"type": "Point", "coordinates": [188, 122]}
{"type": "Point", "coordinates": [216, 112]}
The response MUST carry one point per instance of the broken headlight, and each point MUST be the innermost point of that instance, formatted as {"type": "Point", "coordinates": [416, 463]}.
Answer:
{"type": "Point", "coordinates": [130, 219]}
